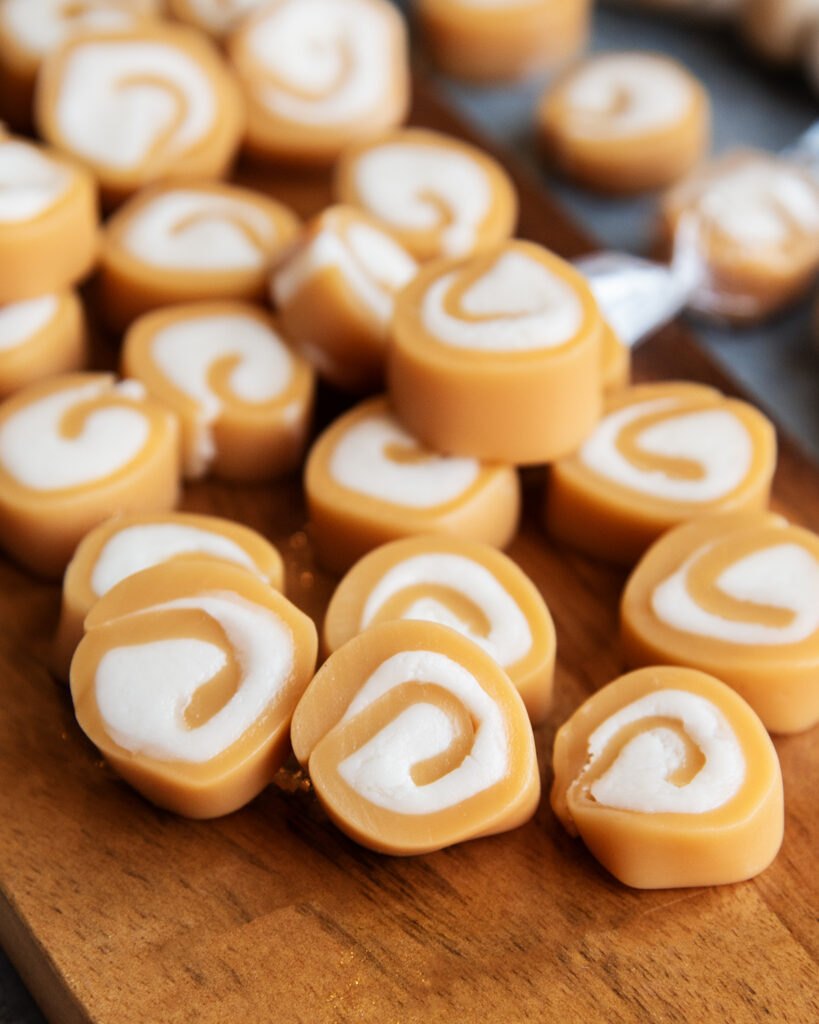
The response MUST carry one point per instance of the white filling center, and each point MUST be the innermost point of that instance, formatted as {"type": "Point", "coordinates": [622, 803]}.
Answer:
{"type": "Point", "coordinates": [380, 770]}
{"type": "Point", "coordinates": [218, 16]}
{"type": "Point", "coordinates": [40, 26]}
{"type": "Point", "coordinates": [21, 321]}
{"type": "Point", "coordinates": [30, 182]}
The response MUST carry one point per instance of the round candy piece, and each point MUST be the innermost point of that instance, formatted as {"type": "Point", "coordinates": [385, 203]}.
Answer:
{"type": "Point", "coordinates": [127, 544]}
{"type": "Point", "coordinates": [758, 222]}
{"type": "Point", "coordinates": [368, 481]}
{"type": "Point", "coordinates": [499, 356]}
{"type": "Point", "coordinates": [670, 780]}
{"type": "Point", "coordinates": [416, 739]}
{"type": "Point", "coordinates": [468, 586]}
{"type": "Point", "coordinates": [319, 73]}
{"type": "Point", "coordinates": [662, 453]}
{"type": "Point", "coordinates": [335, 293]}
{"type": "Point", "coordinates": [216, 17]}
{"type": "Point", "coordinates": [243, 398]}
{"type": "Point", "coordinates": [625, 122]}
{"type": "Point", "coordinates": [31, 29]}
{"type": "Point", "coordinates": [140, 106]}
{"type": "Point", "coordinates": [186, 681]}
{"type": "Point", "coordinates": [48, 221]}
{"type": "Point", "coordinates": [74, 450]}
{"type": "Point", "coordinates": [736, 596]}
{"type": "Point", "coordinates": [39, 338]}
{"type": "Point", "coordinates": [184, 243]}
{"type": "Point", "coordinates": [776, 29]}
{"type": "Point", "coordinates": [436, 194]}
{"type": "Point", "coordinates": [502, 40]}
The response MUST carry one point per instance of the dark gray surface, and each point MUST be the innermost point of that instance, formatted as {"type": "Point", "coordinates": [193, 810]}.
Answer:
{"type": "Point", "coordinates": [778, 363]}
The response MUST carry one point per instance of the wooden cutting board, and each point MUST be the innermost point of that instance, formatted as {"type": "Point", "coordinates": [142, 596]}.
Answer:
{"type": "Point", "coordinates": [116, 912]}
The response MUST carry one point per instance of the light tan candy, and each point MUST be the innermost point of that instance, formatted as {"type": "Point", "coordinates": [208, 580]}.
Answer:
{"type": "Point", "coordinates": [415, 739]}
{"type": "Point", "coordinates": [216, 17]}
{"type": "Point", "coordinates": [39, 338]}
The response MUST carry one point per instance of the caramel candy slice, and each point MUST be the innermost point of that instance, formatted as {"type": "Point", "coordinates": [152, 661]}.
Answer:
{"type": "Point", "coordinates": [670, 780]}
{"type": "Point", "coordinates": [136, 107]}
{"type": "Point", "coordinates": [319, 73]}
{"type": "Point", "coordinates": [663, 453]}
{"type": "Point", "coordinates": [499, 356]}
{"type": "Point", "coordinates": [736, 596]}
{"type": "Point", "coordinates": [216, 17]}
{"type": "Point", "coordinates": [625, 122]}
{"type": "Point", "coordinates": [336, 292]}
{"type": "Point", "coordinates": [186, 243]}
{"type": "Point", "coordinates": [127, 544]}
{"type": "Point", "coordinates": [436, 194]}
{"type": "Point", "coordinates": [463, 584]}
{"type": "Point", "coordinates": [186, 681]}
{"type": "Point", "coordinates": [39, 338]}
{"type": "Point", "coordinates": [502, 40]}
{"type": "Point", "coordinates": [74, 450]}
{"type": "Point", "coordinates": [416, 739]}
{"type": "Point", "coordinates": [31, 29]}
{"type": "Point", "coordinates": [368, 481]}
{"type": "Point", "coordinates": [48, 221]}
{"type": "Point", "coordinates": [758, 221]}
{"type": "Point", "coordinates": [243, 398]}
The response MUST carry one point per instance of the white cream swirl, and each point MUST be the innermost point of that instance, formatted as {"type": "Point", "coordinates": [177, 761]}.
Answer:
{"type": "Point", "coordinates": [30, 182]}
{"type": "Point", "coordinates": [21, 321]}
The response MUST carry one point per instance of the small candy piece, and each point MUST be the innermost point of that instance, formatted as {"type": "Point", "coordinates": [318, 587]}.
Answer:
{"type": "Point", "coordinates": [48, 221]}
{"type": "Point", "coordinates": [216, 17]}
{"type": "Point", "coordinates": [670, 780]}
{"type": "Point", "coordinates": [776, 29]}
{"type": "Point", "coordinates": [39, 338]}
{"type": "Point", "coordinates": [416, 739]}
{"type": "Point", "coordinates": [499, 356]}
{"type": "Point", "coordinates": [186, 681]}
{"type": "Point", "coordinates": [502, 40]}
{"type": "Point", "coordinates": [736, 596]}
{"type": "Point", "coordinates": [31, 29]}
{"type": "Point", "coordinates": [181, 244]}
{"type": "Point", "coordinates": [662, 454]}
{"type": "Point", "coordinates": [625, 122]}
{"type": "Point", "coordinates": [75, 450]}
{"type": "Point", "coordinates": [318, 74]}
{"type": "Point", "coordinates": [127, 544]}
{"type": "Point", "coordinates": [243, 398]}
{"type": "Point", "coordinates": [368, 481]}
{"type": "Point", "coordinates": [758, 218]}
{"type": "Point", "coordinates": [140, 106]}
{"type": "Point", "coordinates": [436, 194]}
{"type": "Point", "coordinates": [467, 586]}
{"type": "Point", "coordinates": [336, 291]}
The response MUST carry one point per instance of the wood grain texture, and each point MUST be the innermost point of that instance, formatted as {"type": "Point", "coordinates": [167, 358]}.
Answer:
{"type": "Point", "coordinates": [115, 912]}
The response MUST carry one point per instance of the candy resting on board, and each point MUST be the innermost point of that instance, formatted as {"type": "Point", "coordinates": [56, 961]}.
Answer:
{"type": "Point", "coordinates": [39, 338]}
{"type": "Point", "coordinates": [468, 586]}
{"type": "Point", "coordinates": [186, 681]}
{"type": "Point", "coordinates": [670, 780]}
{"type": "Point", "coordinates": [415, 739]}
{"type": "Point", "coordinates": [129, 543]}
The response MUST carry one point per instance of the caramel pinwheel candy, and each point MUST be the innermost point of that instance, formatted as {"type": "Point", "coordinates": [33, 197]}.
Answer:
{"type": "Point", "coordinates": [368, 481]}
{"type": "Point", "coordinates": [318, 74]}
{"type": "Point", "coordinates": [502, 40]}
{"type": "Point", "coordinates": [178, 244]}
{"type": "Point", "coordinates": [74, 450]}
{"type": "Point", "coordinates": [415, 739]}
{"type": "Point", "coordinates": [127, 544]}
{"type": "Point", "coordinates": [243, 398]}
{"type": "Point", "coordinates": [31, 29]}
{"type": "Point", "coordinates": [736, 596]}
{"type": "Point", "coordinates": [186, 681]}
{"type": "Point", "coordinates": [136, 107]}
{"type": "Point", "coordinates": [758, 222]}
{"type": "Point", "coordinates": [662, 454]}
{"type": "Point", "coordinates": [468, 586]}
{"type": "Point", "coordinates": [436, 194]}
{"type": "Point", "coordinates": [335, 293]}
{"type": "Point", "coordinates": [670, 780]}
{"type": "Point", "coordinates": [216, 17]}
{"type": "Point", "coordinates": [625, 122]}
{"type": "Point", "coordinates": [48, 221]}
{"type": "Point", "coordinates": [499, 356]}
{"type": "Point", "coordinates": [39, 338]}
